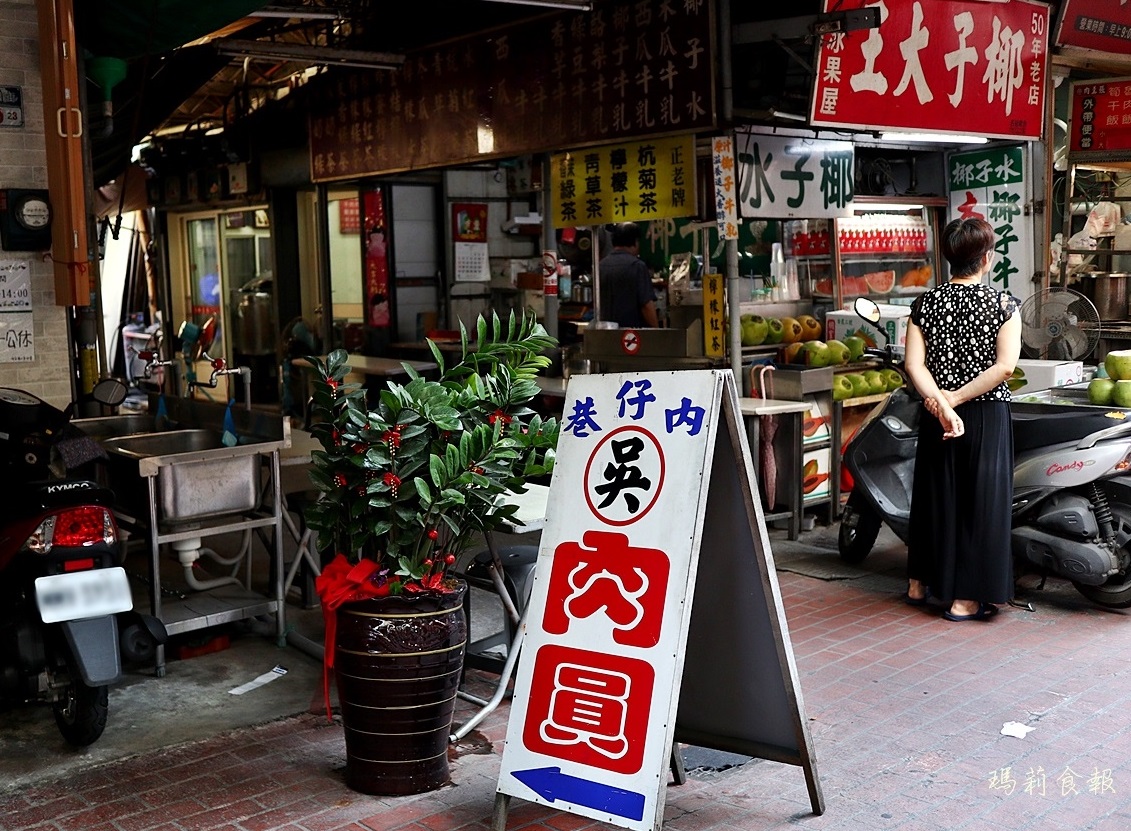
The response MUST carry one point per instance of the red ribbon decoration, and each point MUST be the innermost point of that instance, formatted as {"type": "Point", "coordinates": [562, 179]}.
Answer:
{"type": "Point", "coordinates": [343, 582]}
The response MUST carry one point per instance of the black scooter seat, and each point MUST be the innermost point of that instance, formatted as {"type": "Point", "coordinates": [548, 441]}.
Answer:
{"type": "Point", "coordinates": [1033, 430]}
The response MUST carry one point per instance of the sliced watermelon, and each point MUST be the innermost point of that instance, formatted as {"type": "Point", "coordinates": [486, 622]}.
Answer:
{"type": "Point", "coordinates": [880, 282]}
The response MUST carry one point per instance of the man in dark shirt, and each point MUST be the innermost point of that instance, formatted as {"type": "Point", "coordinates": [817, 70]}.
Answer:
{"type": "Point", "coordinates": [626, 281]}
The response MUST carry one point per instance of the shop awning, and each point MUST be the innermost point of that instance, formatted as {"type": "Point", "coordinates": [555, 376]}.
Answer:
{"type": "Point", "coordinates": [132, 29]}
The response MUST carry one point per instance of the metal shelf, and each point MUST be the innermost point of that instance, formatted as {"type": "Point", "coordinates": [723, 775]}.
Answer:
{"type": "Point", "coordinates": [225, 604]}
{"type": "Point", "coordinates": [214, 608]}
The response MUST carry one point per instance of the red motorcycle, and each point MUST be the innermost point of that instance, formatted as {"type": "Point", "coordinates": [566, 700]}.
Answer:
{"type": "Point", "coordinates": [66, 609]}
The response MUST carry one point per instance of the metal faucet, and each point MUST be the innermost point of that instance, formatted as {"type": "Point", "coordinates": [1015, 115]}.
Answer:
{"type": "Point", "coordinates": [151, 362]}
{"type": "Point", "coordinates": [219, 368]}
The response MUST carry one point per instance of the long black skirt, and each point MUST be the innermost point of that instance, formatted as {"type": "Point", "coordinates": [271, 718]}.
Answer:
{"type": "Point", "coordinates": [961, 504]}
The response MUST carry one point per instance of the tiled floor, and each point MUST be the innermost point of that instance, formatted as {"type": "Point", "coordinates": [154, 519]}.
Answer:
{"type": "Point", "coordinates": [905, 711]}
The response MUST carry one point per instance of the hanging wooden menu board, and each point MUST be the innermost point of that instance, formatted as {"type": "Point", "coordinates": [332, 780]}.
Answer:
{"type": "Point", "coordinates": [565, 80]}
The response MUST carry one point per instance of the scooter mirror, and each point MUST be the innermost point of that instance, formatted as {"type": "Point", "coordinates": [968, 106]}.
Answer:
{"type": "Point", "coordinates": [867, 309]}
{"type": "Point", "coordinates": [109, 391]}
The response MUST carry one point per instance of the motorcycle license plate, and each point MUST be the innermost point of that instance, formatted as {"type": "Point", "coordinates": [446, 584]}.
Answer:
{"type": "Point", "coordinates": [83, 594]}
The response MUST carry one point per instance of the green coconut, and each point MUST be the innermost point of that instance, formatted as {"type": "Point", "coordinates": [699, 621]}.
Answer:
{"type": "Point", "coordinates": [1118, 365]}
{"type": "Point", "coordinates": [1100, 391]}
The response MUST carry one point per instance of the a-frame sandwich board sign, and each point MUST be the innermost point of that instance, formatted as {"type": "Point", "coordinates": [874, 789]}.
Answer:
{"type": "Point", "coordinates": [655, 615]}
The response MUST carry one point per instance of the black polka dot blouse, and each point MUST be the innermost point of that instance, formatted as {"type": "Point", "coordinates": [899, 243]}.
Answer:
{"type": "Point", "coordinates": [960, 323]}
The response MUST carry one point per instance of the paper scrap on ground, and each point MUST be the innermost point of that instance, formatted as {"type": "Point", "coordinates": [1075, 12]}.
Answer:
{"type": "Point", "coordinates": [1016, 729]}
{"type": "Point", "coordinates": [265, 678]}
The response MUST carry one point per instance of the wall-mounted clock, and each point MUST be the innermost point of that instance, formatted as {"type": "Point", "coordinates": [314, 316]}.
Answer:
{"type": "Point", "coordinates": [25, 219]}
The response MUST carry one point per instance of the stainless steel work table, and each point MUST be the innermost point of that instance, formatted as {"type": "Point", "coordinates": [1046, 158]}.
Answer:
{"type": "Point", "coordinates": [792, 412]}
{"type": "Point", "coordinates": [263, 437]}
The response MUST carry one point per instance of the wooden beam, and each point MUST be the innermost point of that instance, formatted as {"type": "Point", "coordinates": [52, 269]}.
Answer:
{"type": "Point", "coordinates": [63, 132]}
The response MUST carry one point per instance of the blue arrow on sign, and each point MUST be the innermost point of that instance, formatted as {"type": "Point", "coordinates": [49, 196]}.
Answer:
{"type": "Point", "coordinates": [551, 784]}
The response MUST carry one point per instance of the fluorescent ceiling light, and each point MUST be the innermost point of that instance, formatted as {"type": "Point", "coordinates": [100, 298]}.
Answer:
{"type": "Point", "coordinates": [787, 116]}
{"type": "Point", "coordinates": [937, 138]}
{"type": "Point", "coordinates": [575, 5]}
{"type": "Point", "coordinates": [302, 53]}
{"type": "Point", "coordinates": [298, 12]}
{"type": "Point", "coordinates": [862, 205]}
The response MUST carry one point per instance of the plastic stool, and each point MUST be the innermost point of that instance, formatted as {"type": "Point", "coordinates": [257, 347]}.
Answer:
{"type": "Point", "coordinates": [518, 576]}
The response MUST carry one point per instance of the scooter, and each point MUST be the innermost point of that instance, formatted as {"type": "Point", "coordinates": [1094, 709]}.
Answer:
{"type": "Point", "coordinates": [1071, 486]}
{"type": "Point", "coordinates": [66, 609]}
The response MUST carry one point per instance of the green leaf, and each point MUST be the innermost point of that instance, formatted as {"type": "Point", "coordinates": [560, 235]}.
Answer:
{"type": "Point", "coordinates": [452, 495]}
{"type": "Point", "coordinates": [437, 355]}
{"type": "Point", "coordinates": [436, 471]}
{"type": "Point", "coordinates": [423, 490]}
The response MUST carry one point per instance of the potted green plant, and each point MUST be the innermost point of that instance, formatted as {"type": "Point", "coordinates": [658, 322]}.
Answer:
{"type": "Point", "coordinates": [406, 486]}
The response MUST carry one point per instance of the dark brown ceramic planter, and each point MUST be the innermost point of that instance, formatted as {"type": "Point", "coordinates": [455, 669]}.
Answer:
{"type": "Point", "coordinates": [397, 664]}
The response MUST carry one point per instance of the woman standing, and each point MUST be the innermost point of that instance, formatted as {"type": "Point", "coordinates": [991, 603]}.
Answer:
{"type": "Point", "coordinates": [962, 347]}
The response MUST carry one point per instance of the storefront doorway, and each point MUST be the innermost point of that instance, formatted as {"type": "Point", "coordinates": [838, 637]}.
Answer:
{"type": "Point", "coordinates": [226, 260]}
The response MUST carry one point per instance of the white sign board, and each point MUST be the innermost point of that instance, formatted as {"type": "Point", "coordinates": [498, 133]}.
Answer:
{"type": "Point", "coordinates": [993, 185]}
{"type": "Point", "coordinates": [16, 343]}
{"type": "Point", "coordinates": [15, 285]}
{"type": "Point", "coordinates": [785, 177]}
{"type": "Point", "coordinates": [594, 714]}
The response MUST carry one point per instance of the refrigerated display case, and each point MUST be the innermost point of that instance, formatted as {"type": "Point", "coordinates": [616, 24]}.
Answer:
{"type": "Point", "coordinates": [885, 250]}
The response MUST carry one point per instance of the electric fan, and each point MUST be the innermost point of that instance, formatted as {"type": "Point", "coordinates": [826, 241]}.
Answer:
{"type": "Point", "coordinates": [1059, 324]}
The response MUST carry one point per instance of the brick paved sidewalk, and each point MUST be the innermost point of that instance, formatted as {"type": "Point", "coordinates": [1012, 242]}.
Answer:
{"type": "Point", "coordinates": [905, 711]}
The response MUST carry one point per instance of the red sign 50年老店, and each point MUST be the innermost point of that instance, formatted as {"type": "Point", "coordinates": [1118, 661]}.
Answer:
{"type": "Point", "coordinates": [944, 66]}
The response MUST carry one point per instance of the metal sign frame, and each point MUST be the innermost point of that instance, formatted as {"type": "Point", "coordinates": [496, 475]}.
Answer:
{"type": "Point", "coordinates": [723, 670]}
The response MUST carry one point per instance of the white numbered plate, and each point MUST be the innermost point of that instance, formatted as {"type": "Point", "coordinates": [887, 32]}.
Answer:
{"type": "Point", "coordinates": [83, 594]}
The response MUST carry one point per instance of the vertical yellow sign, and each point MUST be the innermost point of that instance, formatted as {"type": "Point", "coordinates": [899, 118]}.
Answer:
{"type": "Point", "coordinates": [726, 193]}
{"type": "Point", "coordinates": [625, 182]}
{"type": "Point", "coordinates": [714, 321]}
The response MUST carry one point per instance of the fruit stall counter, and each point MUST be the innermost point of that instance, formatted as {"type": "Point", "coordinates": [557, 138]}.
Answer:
{"type": "Point", "coordinates": [886, 251]}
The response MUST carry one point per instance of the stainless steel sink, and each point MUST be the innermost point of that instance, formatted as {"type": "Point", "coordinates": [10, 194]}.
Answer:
{"type": "Point", "coordinates": [193, 474]}
{"type": "Point", "coordinates": [100, 428]}
{"type": "Point", "coordinates": [186, 474]}
{"type": "Point", "coordinates": [164, 444]}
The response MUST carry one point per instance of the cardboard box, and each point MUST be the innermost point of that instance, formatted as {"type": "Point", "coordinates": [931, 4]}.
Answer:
{"type": "Point", "coordinates": [816, 423]}
{"type": "Point", "coordinates": [815, 484]}
{"type": "Point", "coordinates": [533, 300]}
{"type": "Point", "coordinates": [893, 320]}
{"type": "Point", "coordinates": [1032, 375]}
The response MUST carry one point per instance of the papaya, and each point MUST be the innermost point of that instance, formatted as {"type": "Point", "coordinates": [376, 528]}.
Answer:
{"type": "Point", "coordinates": [811, 483]}
{"type": "Point", "coordinates": [809, 427]}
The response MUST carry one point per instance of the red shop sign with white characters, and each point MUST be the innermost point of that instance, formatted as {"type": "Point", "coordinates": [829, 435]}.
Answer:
{"type": "Point", "coordinates": [1099, 25]}
{"type": "Point", "coordinates": [1100, 118]}
{"type": "Point", "coordinates": [594, 708]}
{"type": "Point", "coordinates": [946, 66]}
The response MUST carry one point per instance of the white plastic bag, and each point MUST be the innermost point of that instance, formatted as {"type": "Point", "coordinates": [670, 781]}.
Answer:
{"type": "Point", "coordinates": [1102, 219]}
{"type": "Point", "coordinates": [1080, 240]}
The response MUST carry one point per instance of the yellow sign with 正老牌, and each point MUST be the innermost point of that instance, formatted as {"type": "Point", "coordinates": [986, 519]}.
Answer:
{"type": "Point", "coordinates": [635, 181]}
